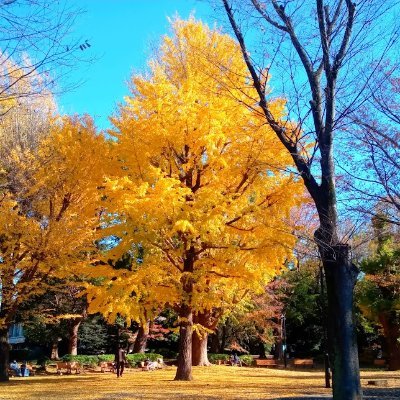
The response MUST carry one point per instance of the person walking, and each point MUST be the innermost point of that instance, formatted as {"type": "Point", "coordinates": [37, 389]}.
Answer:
{"type": "Point", "coordinates": [120, 360]}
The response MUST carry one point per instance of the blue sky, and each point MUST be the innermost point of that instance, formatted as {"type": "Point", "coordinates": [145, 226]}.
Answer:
{"type": "Point", "coordinates": [121, 34]}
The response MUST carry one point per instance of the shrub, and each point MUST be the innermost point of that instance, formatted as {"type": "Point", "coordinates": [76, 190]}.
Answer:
{"type": "Point", "coordinates": [247, 360]}
{"type": "Point", "coordinates": [82, 359]}
{"type": "Point", "coordinates": [214, 358]}
{"type": "Point", "coordinates": [106, 357]}
{"type": "Point", "coordinates": [132, 359]}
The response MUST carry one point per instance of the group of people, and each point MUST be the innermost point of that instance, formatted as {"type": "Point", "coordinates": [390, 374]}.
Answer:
{"type": "Point", "coordinates": [152, 365]}
{"type": "Point", "coordinates": [18, 370]}
{"type": "Point", "coordinates": [235, 360]}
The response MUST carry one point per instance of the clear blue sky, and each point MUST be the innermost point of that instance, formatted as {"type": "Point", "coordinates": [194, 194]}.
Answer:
{"type": "Point", "coordinates": [121, 33]}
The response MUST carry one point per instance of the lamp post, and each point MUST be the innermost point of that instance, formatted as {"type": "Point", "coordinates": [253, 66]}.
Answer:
{"type": "Point", "coordinates": [283, 339]}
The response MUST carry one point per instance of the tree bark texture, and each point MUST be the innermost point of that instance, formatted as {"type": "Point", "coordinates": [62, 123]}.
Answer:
{"type": "Point", "coordinates": [4, 355]}
{"type": "Point", "coordinates": [209, 320]}
{"type": "Point", "coordinates": [341, 277]}
{"type": "Point", "coordinates": [73, 336]}
{"type": "Point", "coordinates": [54, 350]}
{"type": "Point", "coordinates": [184, 371]}
{"type": "Point", "coordinates": [391, 331]}
{"type": "Point", "coordinates": [199, 350]}
{"type": "Point", "coordinates": [141, 338]}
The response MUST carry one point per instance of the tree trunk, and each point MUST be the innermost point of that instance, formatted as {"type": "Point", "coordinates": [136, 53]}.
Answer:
{"type": "Point", "coordinates": [184, 371]}
{"type": "Point", "coordinates": [4, 355]}
{"type": "Point", "coordinates": [141, 338]}
{"type": "Point", "coordinates": [73, 336]}
{"type": "Point", "coordinates": [54, 350]}
{"type": "Point", "coordinates": [199, 350]}
{"type": "Point", "coordinates": [392, 336]}
{"type": "Point", "coordinates": [341, 277]}
{"type": "Point", "coordinates": [209, 320]}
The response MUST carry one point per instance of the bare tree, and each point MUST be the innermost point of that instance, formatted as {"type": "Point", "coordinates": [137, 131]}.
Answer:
{"type": "Point", "coordinates": [323, 51]}
{"type": "Point", "coordinates": [372, 174]}
{"type": "Point", "coordinates": [36, 42]}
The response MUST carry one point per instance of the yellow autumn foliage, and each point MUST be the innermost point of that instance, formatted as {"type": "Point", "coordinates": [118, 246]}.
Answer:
{"type": "Point", "coordinates": [200, 183]}
{"type": "Point", "coordinates": [48, 222]}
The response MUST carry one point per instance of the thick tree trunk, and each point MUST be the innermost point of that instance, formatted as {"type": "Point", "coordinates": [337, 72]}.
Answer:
{"type": "Point", "coordinates": [141, 338]}
{"type": "Point", "coordinates": [184, 371]}
{"type": "Point", "coordinates": [73, 336]}
{"type": "Point", "coordinates": [392, 337]}
{"type": "Point", "coordinates": [4, 355]}
{"type": "Point", "coordinates": [54, 350]}
{"type": "Point", "coordinates": [341, 277]}
{"type": "Point", "coordinates": [199, 350]}
{"type": "Point", "coordinates": [209, 320]}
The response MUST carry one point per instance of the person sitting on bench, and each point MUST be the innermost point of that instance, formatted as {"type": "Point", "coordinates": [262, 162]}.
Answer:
{"type": "Point", "coordinates": [15, 368]}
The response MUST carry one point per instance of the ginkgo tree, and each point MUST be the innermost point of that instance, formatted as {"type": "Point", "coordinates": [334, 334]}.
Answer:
{"type": "Point", "coordinates": [48, 221]}
{"type": "Point", "coordinates": [196, 183]}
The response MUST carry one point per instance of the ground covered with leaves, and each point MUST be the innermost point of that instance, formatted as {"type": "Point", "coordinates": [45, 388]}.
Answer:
{"type": "Point", "coordinates": [216, 382]}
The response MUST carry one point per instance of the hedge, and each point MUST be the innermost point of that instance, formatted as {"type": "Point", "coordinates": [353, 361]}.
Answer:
{"type": "Point", "coordinates": [247, 359]}
{"type": "Point", "coordinates": [214, 358]}
{"type": "Point", "coordinates": [132, 359]}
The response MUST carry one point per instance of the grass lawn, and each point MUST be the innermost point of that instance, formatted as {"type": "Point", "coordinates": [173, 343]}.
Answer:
{"type": "Point", "coordinates": [215, 382]}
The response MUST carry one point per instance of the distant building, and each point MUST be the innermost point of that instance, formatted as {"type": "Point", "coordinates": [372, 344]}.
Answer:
{"type": "Point", "coordinates": [16, 334]}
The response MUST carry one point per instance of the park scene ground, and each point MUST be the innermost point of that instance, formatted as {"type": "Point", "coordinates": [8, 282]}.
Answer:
{"type": "Point", "coordinates": [212, 383]}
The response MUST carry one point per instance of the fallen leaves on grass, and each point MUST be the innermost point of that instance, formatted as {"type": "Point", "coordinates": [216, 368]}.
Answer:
{"type": "Point", "coordinates": [211, 383]}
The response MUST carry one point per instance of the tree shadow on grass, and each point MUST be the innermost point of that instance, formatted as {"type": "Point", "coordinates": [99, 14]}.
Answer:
{"type": "Point", "coordinates": [40, 381]}
{"type": "Point", "coordinates": [369, 394]}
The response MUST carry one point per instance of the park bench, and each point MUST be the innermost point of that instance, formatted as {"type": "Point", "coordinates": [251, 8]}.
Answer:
{"type": "Point", "coordinates": [303, 362]}
{"type": "Point", "coordinates": [266, 363]}
{"type": "Point", "coordinates": [32, 371]}
{"type": "Point", "coordinates": [380, 362]}
{"type": "Point", "coordinates": [68, 366]}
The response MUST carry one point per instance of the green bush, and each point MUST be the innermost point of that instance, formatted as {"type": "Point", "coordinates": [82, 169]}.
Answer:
{"type": "Point", "coordinates": [106, 357]}
{"type": "Point", "coordinates": [82, 359]}
{"type": "Point", "coordinates": [132, 359]}
{"type": "Point", "coordinates": [247, 360]}
{"type": "Point", "coordinates": [214, 358]}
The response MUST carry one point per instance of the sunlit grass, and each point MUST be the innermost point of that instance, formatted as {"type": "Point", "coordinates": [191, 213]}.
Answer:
{"type": "Point", "coordinates": [216, 382]}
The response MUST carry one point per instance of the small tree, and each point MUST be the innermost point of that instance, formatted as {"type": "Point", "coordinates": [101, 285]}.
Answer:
{"type": "Point", "coordinates": [37, 47]}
